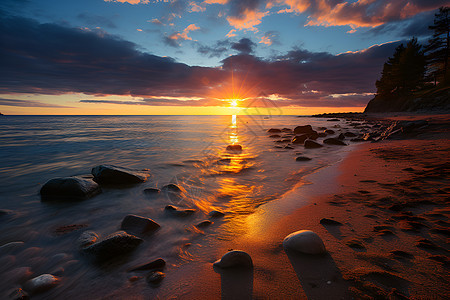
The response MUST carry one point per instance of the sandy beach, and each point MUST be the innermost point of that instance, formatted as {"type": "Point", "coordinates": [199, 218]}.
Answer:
{"type": "Point", "coordinates": [391, 201]}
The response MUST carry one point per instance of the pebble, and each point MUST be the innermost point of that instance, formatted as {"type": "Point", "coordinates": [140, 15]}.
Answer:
{"type": "Point", "coordinates": [41, 283]}
{"type": "Point", "coordinates": [87, 238]}
{"type": "Point", "coordinates": [155, 277]}
{"type": "Point", "coordinates": [235, 258]}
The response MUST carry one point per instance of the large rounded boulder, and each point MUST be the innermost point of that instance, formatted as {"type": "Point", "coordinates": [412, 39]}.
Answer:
{"type": "Point", "coordinates": [305, 129]}
{"type": "Point", "coordinates": [116, 244]}
{"type": "Point", "coordinates": [304, 241]}
{"type": "Point", "coordinates": [233, 259]}
{"type": "Point", "coordinates": [69, 188]}
{"type": "Point", "coordinates": [109, 174]}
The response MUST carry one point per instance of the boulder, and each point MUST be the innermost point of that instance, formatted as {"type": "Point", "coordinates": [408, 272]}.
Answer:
{"type": "Point", "coordinates": [138, 224]}
{"type": "Point", "coordinates": [303, 129]}
{"type": "Point", "coordinates": [235, 258]}
{"type": "Point", "coordinates": [329, 131]}
{"type": "Point", "coordinates": [350, 134]}
{"type": "Point", "coordinates": [313, 135]}
{"type": "Point", "coordinates": [216, 214]}
{"type": "Point", "coordinates": [41, 283]}
{"type": "Point", "coordinates": [286, 130]}
{"type": "Point", "coordinates": [274, 130]}
{"type": "Point", "coordinates": [333, 141]}
{"type": "Point", "coordinates": [311, 144]}
{"type": "Point", "coordinates": [109, 174]}
{"type": "Point", "coordinates": [87, 238]}
{"type": "Point", "coordinates": [300, 139]}
{"type": "Point", "coordinates": [114, 245]}
{"type": "Point", "coordinates": [234, 147]}
{"type": "Point", "coordinates": [69, 188]}
{"type": "Point", "coordinates": [156, 264]}
{"type": "Point", "coordinates": [275, 136]}
{"type": "Point", "coordinates": [302, 158]}
{"type": "Point", "coordinates": [305, 241]}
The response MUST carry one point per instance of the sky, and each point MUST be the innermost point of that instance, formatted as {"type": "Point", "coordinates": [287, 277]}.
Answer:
{"type": "Point", "coordinates": [144, 57]}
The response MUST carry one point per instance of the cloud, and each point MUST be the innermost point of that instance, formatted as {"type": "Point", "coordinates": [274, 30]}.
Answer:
{"type": "Point", "coordinates": [194, 7]}
{"type": "Point", "coordinates": [244, 45]}
{"type": "Point", "coordinates": [270, 37]}
{"type": "Point", "coordinates": [130, 1]}
{"type": "Point", "coordinates": [52, 59]}
{"type": "Point", "coordinates": [95, 20]}
{"type": "Point", "coordinates": [28, 103]}
{"type": "Point", "coordinates": [231, 33]}
{"type": "Point", "coordinates": [155, 21]}
{"type": "Point", "coordinates": [216, 50]}
{"type": "Point", "coordinates": [172, 39]}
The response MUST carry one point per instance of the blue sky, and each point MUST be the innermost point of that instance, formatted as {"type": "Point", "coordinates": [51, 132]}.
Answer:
{"type": "Point", "coordinates": [214, 37]}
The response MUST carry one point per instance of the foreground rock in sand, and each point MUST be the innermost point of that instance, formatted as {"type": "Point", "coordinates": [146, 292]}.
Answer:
{"type": "Point", "coordinates": [41, 283]}
{"type": "Point", "coordinates": [116, 244]}
{"type": "Point", "coordinates": [69, 188]}
{"type": "Point", "coordinates": [309, 144]}
{"type": "Point", "coordinates": [334, 141]}
{"type": "Point", "coordinates": [305, 241]}
{"type": "Point", "coordinates": [138, 224]}
{"type": "Point", "coordinates": [235, 258]}
{"type": "Point", "coordinates": [109, 174]}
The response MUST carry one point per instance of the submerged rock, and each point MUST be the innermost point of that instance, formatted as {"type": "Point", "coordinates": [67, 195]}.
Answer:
{"type": "Point", "coordinates": [171, 187]}
{"type": "Point", "coordinates": [41, 283]}
{"type": "Point", "coordinates": [235, 258]}
{"type": "Point", "coordinates": [216, 214]}
{"type": "Point", "coordinates": [151, 191]}
{"type": "Point", "coordinates": [311, 144]}
{"type": "Point", "coordinates": [156, 264]}
{"type": "Point", "coordinates": [329, 131]}
{"type": "Point", "coordinates": [180, 212]}
{"type": "Point", "coordinates": [116, 244]}
{"type": "Point", "coordinates": [274, 130]}
{"type": "Point", "coordinates": [205, 223]}
{"type": "Point", "coordinates": [87, 238]}
{"type": "Point", "coordinates": [300, 139]}
{"type": "Point", "coordinates": [333, 141]}
{"type": "Point", "coordinates": [302, 158]}
{"type": "Point", "coordinates": [155, 277]}
{"type": "Point", "coordinates": [69, 188]}
{"type": "Point", "coordinates": [234, 147]}
{"type": "Point", "coordinates": [275, 136]}
{"type": "Point", "coordinates": [138, 224]}
{"type": "Point", "coordinates": [109, 174]}
{"type": "Point", "coordinates": [305, 241]}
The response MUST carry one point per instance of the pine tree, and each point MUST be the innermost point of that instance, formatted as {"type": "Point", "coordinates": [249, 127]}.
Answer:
{"type": "Point", "coordinates": [387, 84]}
{"type": "Point", "coordinates": [438, 48]}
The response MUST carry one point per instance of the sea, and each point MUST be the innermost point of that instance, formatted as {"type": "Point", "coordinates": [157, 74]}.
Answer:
{"type": "Point", "coordinates": [189, 151]}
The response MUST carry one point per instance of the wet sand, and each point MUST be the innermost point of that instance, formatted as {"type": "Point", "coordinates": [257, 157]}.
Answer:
{"type": "Point", "coordinates": [391, 199]}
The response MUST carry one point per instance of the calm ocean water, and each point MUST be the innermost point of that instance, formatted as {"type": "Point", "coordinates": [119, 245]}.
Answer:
{"type": "Point", "coordinates": [187, 150]}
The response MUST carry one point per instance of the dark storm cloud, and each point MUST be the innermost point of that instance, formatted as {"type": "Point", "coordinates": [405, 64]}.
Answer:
{"type": "Point", "coordinates": [216, 50]}
{"type": "Point", "coordinates": [28, 103]}
{"type": "Point", "coordinates": [52, 59]}
{"type": "Point", "coordinates": [244, 46]}
{"type": "Point", "coordinates": [97, 20]}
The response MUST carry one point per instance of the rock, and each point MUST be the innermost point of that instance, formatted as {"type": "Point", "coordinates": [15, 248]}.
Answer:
{"type": "Point", "coordinates": [216, 214]}
{"type": "Point", "coordinates": [5, 212]}
{"type": "Point", "coordinates": [275, 136]}
{"type": "Point", "coordinates": [333, 141]}
{"type": "Point", "coordinates": [274, 130]}
{"type": "Point", "coordinates": [205, 223]}
{"type": "Point", "coordinates": [138, 224]}
{"type": "Point", "coordinates": [300, 139]}
{"type": "Point", "coordinates": [288, 147]}
{"type": "Point", "coordinates": [302, 158]}
{"type": "Point", "coordinates": [69, 188]}
{"type": "Point", "coordinates": [41, 283]}
{"type": "Point", "coordinates": [350, 134]}
{"type": "Point", "coordinates": [311, 144]}
{"type": "Point", "coordinates": [329, 131]}
{"type": "Point", "coordinates": [234, 147]}
{"type": "Point", "coordinates": [151, 191]}
{"type": "Point", "coordinates": [305, 241]}
{"type": "Point", "coordinates": [180, 212]}
{"type": "Point", "coordinates": [11, 247]}
{"type": "Point", "coordinates": [235, 258]}
{"type": "Point", "coordinates": [303, 129]}
{"type": "Point", "coordinates": [18, 294]}
{"type": "Point", "coordinates": [155, 277]}
{"type": "Point", "coordinates": [341, 137]}
{"type": "Point", "coordinates": [171, 187]}
{"type": "Point", "coordinates": [109, 174]}
{"type": "Point", "coordinates": [156, 264]}
{"type": "Point", "coordinates": [116, 244]}
{"type": "Point", "coordinates": [326, 221]}
{"type": "Point", "coordinates": [87, 238]}
{"type": "Point", "coordinates": [313, 135]}
{"type": "Point", "coordinates": [18, 275]}
{"type": "Point", "coordinates": [322, 134]}
{"type": "Point", "coordinates": [286, 130]}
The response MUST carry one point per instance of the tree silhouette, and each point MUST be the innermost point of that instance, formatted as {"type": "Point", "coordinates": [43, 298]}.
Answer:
{"type": "Point", "coordinates": [438, 48]}
{"type": "Point", "coordinates": [404, 72]}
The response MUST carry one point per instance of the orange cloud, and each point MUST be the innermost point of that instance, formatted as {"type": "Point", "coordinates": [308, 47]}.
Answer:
{"type": "Point", "coordinates": [130, 1]}
{"type": "Point", "coordinates": [248, 20]}
{"type": "Point", "coordinates": [195, 7]}
{"type": "Point", "coordinates": [231, 33]}
{"type": "Point", "coordinates": [216, 2]}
